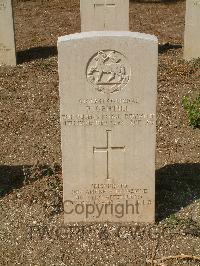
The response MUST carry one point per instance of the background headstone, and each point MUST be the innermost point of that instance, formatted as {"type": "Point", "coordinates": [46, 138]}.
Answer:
{"type": "Point", "coordinates": [192, 30]}
{"type": "Point", "coordinates": [7, 38]}
{"type": "Point", "coordinates": [100, 15]}
{"type": "Point", "coordinates": [108, 126]}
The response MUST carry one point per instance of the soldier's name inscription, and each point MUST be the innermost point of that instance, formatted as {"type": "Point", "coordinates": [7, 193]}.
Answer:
{"type": "Point", "coordinates": [134, 119]}
{"type": "Point", "coordinates": [109, 101]}
{"type": "Point", "coordinates": [107, 112]}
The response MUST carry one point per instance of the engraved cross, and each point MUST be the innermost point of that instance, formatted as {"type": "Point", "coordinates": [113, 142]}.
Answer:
{"type": "Point", "coordinates": [107, 149]}
{"type": "Point", "coordinates": [105, 4]}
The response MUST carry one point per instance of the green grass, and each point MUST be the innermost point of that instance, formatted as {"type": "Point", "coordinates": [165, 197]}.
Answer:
{"type": "Point", "coordinates": [192, 107]}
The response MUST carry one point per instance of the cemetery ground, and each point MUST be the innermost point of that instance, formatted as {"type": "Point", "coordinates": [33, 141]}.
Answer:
{"type": "Point", "coordinates": [31, 211]}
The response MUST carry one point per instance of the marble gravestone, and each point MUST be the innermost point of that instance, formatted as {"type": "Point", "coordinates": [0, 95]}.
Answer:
{"type": "Point", "coordinates": [100, 15]}
{"type": "Point", "coordinates": [192, 30]}
{"type": "Point", "coordinates": [107, 83]}
{"type": "Point", "coordinates": [7, 38]}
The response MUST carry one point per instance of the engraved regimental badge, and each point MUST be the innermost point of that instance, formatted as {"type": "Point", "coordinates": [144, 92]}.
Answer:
{"type": "Point", "coordinates": [108, 71]}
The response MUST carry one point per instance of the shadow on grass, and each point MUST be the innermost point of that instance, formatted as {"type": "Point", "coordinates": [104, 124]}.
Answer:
{"type": "Point", "coordinates": [14, 177]}
{"type": "Point", "coordinates": [11, 177]}
{"type": "Point", "coordinates": [162, 48]}
{"type": "Point", "coordinates": [36, 53]}
{"type": "Point", "coordinates": [177, 185]}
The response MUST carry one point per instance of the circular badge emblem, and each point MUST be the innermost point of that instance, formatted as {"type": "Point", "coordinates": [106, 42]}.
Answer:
{"type": "Point", "coordinates": [108, 71]}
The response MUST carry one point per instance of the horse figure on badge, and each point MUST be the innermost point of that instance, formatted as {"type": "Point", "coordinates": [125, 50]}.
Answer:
{"type": "Point", "coordinates": [108, 64]}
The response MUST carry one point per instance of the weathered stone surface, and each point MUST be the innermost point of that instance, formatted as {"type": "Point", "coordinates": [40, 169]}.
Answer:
{"type": "Point", "coordinates": [192, 30]}
{"type": "Point", "coordinates": [100, 15]}
{"type": "Point", "coordinates": [108, 125]}
{"type": "Point", "coordinates": [7, 39]}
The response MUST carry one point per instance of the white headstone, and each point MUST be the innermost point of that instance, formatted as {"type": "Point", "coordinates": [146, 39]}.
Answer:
{"type": "Point", "coordinates": [108, 94]}
{"type": "Point", "coordinates": [100, 15]}
{"type": "Point", "coordinates": [192, 30]}
{"type": "Point", "coordinates": [7, 38]}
